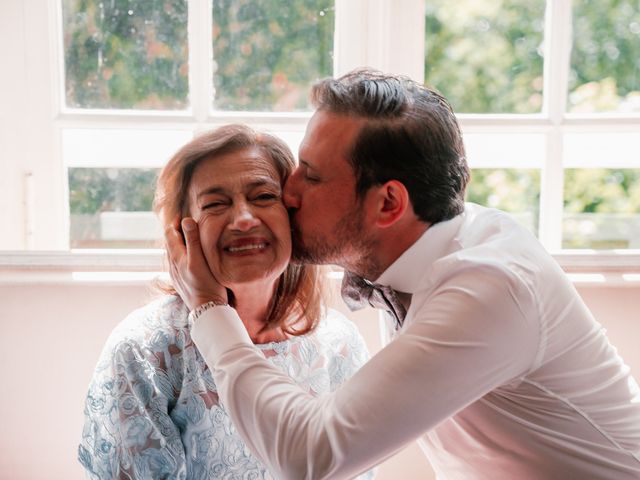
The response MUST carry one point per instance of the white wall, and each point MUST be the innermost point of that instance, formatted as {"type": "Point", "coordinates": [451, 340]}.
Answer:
{"type": "Point", "coordinates": [53, 334]}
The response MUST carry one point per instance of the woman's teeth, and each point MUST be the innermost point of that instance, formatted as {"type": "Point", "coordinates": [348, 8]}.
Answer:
{"type": "Point", "coordinates": [257, 246]}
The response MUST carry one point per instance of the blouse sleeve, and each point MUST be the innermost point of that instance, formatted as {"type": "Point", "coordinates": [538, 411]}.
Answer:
{"type": "Point", "coordinates": [128, 433]}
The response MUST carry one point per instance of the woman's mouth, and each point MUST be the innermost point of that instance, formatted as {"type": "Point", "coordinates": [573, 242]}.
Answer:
{"type": "Point", "coordinates": [247, 248]}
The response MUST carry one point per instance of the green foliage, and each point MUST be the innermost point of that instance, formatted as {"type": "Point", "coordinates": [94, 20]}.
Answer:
{"type": "Point", "coordinates": [267, 53]}
{"type": "Point", "coordinates": [95, 190]}
{"type": "Point", "coordinates": [605, 59]}
{"type": "Point", "coordinates": [601, 208]}
{"type": "Point", "coordinates": [485, 55]}
{"type": "Point", "coordinates": [600, 190]}
{"type": "Point", "coordinates": [509, 189]}
{"type": "Point", "coordinates": [125, 54]}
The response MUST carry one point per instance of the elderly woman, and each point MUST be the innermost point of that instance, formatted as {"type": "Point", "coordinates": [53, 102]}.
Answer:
{"type": "Point", "coordinates": [152, 410]}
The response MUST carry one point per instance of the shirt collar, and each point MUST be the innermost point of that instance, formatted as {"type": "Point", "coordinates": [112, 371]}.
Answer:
{"type": "Point", "coordinates": [437, 241]}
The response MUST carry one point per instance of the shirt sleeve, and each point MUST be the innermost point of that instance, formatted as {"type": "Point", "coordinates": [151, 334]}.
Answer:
{"type": "Point", "coordinates": [128, 433]}
{"type": "Point", "coordinates": [475, 331]}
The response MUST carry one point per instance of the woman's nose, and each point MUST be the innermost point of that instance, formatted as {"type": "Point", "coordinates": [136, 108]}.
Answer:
{"type": "Point", "coordinates": [290, 195]}
{"type": "Point", "coordinates": [244, 217]}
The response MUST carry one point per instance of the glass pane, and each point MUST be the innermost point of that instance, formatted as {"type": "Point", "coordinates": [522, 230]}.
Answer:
{"type": "Point", "coordinates": [516, 191]}
{"type": "Point", "coordinates": [605, 60]}
{"type": "Point", "coordinates": [596, 150]}
{"type": "Point", "coordinates": [601, 208]}
{"type": "Point", "coordinates": [111, 208]}
{"type": "Point", "coordinates": [505, 150]}
{"type": "Point", "coordinates": [124, 54]}
{"type": "Point", "coordinates": [486, 56]}
{"type": "Point", "coordinates": [268, 53]}
{"type": "Point", "coordinates": [111, 147]}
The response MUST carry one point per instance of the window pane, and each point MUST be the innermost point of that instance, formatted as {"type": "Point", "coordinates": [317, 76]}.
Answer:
{"type": "Point", "coordinates": [516, 191]}
{"type": "Point", "coordinates": [111, 208]}
{"type": "Point", "coordinates": [486, 56]}
{"type": "Point", "coordinates": [110, 147]}
{"type": "Point", "coordinates": [505, 150]}
{"type": "Point", "coordinates": [605, 60]}
{"type": "Point", "coordinates": [601, 208]}
{"type": "Point", "coordinates": [268, 53]}
{"type": "Point", "coordinates": [613, 150]}
{"type": "Point", "coordinates": [124, 54]}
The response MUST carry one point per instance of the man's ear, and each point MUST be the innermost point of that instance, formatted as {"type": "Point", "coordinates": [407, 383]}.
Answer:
{"type": "Point", "coordinates": [392, 203]}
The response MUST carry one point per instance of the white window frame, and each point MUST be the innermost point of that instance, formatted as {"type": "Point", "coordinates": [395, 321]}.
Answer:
{"type": "Point", "coordinates": [374, 33]}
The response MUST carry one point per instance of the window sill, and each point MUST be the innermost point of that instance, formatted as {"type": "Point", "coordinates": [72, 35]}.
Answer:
{"type": "Point", "coordinates": [615, 268]}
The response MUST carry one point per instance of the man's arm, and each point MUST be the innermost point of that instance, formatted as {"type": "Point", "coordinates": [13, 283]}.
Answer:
{"type": "Point", "coordinates": [469, 335]}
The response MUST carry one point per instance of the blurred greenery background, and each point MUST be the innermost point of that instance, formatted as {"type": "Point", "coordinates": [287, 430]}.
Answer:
{"type": "Point", "coordinates": [485, 56]}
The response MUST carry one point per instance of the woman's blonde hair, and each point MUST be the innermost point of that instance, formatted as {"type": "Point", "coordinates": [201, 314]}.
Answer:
{"type": "Point", "coordinates": [298, 299]}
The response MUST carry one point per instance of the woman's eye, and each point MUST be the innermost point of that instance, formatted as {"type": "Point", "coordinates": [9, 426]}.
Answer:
{"type": "Point", "coordinates": [211, 205]}
{"type": "Point", "coordinates": [266, 197]}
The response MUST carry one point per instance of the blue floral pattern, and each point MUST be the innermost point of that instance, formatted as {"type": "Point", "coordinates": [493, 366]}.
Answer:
{"type": "Point", "coordinates": [152, 409]}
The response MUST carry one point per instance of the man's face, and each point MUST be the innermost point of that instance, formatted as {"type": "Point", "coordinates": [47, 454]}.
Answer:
{"type": "Point", "coordinates": [328, 221]}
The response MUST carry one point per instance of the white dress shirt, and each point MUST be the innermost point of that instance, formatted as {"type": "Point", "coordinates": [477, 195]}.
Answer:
{"type": "Point", "coordinates": [499, 369]}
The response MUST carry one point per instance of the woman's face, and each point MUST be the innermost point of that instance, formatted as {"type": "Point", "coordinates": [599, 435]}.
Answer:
{"type": "Point", "coordinates": [244, 227]}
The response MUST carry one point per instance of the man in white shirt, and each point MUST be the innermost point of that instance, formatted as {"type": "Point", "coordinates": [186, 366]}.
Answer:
{"type": "Point", "coordinates": [496, 364]}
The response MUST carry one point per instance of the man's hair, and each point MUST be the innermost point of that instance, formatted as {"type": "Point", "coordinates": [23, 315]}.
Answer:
{"type": "Point", "coordinates": [410, 134]}
{"type": "Point", "coordinates": [298, 299]}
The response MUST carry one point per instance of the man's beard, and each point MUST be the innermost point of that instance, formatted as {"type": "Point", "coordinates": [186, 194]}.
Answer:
{"type": "Point", "coordinates": [348, 245]}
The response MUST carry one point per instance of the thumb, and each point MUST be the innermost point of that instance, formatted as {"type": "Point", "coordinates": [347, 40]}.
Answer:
{"type": "Point", "coordinates": [190, 230]}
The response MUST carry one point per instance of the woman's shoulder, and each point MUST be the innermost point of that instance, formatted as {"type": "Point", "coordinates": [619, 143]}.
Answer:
{"type": "Point", "coordinates": [152, 327]}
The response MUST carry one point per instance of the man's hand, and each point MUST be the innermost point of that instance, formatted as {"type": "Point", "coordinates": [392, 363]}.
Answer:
{"type": "Point", "coordinates": [189, 270]}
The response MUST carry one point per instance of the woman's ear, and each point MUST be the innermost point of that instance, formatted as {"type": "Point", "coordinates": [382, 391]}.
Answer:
{"type": "Point", "coordinates": [392, 203]}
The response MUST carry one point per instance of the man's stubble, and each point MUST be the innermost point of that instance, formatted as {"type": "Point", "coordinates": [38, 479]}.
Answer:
{"type": "Point", "coordinates": [349, 245]}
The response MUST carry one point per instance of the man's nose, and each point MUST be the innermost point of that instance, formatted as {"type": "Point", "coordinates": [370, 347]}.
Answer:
{"type": "Point", "coordinates": [243, 217]}
{"type": "Point", "coordinates": [290, 195]}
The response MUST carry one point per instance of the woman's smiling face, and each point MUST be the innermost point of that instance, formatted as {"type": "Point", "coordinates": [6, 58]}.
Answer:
{"type": "Point", "coordinates": [236, 198]}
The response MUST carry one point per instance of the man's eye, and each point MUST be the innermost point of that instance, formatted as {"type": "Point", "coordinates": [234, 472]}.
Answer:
{"type": "Point", "coordinates": [310, 178]}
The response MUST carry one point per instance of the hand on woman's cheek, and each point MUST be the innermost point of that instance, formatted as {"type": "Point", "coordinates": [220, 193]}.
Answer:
{"type": "Point", "coordinates": [210, 249]}
{"type": "Point", "coordinates": [189, 268]}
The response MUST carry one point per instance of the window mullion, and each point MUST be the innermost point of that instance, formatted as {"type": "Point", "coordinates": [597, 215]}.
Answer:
{"type": "Point", "coordinates": [200, 60]}
{"type": "Point", "coordinates": [45, 207]}
{"type": "Point", "coordinates": [378, 34]}
{"type": "Point", "coordinates": [557, 52]}
{"type": "Point", "coordinates": [350, 35]}
{"type": "Point", "coordinates": [401, 37]}
{"type": "Point", "coordinates": [556, 74]}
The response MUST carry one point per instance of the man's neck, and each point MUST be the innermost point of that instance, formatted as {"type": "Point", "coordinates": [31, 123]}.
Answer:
{"type": "Point", "coordinates": [388, 248]}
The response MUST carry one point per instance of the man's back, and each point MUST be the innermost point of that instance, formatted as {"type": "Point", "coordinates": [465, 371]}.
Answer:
{"type": "Point", "coordinates": [566, 406]}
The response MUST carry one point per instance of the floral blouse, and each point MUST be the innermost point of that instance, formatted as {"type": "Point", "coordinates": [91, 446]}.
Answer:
{"type": "Point", "coordinates": [152, 410]}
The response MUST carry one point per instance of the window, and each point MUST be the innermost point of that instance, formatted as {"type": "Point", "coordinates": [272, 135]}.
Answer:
{"type": "Point", "coordinates": [547, 93]}
{"type": "Point", "coordinates": [122, 54]}
{"type": "Point", "coordinates": [137, 58]}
